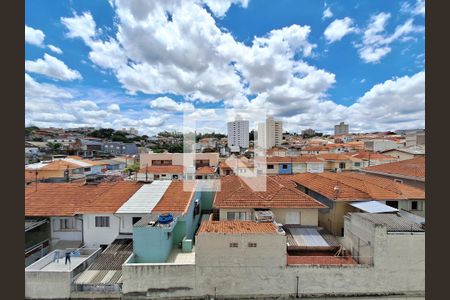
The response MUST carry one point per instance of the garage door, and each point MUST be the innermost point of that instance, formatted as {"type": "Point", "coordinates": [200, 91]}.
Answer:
{"type": "Point", "coordinates": [292, 217]}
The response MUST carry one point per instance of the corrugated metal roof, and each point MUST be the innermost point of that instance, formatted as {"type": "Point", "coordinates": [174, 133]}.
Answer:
{"type": "Point", "coordinates": [373, 207]}
{"type": "Point", "coordinates": [308, 237]}
{"type": "Point", "coordinates": [393, 222]}
{"type": "Point", "coordinates": [145, 199]}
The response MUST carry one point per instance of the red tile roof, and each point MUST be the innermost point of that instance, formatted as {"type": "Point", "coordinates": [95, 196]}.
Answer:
{"type": "Point", "coordinates": [162, 169]}
{"type": "Point", "coordinates": [236, 227]}
{"type": "Point", "coordinates": [66, 199]}
{"type": "Point", "coordinates": [177, 197]}
{"type": "Point", "coordinates": [320, 260]}
{"type": "Point", "coordinates": [414, 168]}
{"type": "Point", "coordinates": [366, 155]}
{"type": "Point", "coordinates": [60, 165]}
{"type": "Point", "coordinates": [338, 157]}
{"type": "Point", "coordinates": [204, 170]}
{"type": "Point", "coordinates": [350, 186]}
{"type": "Point", "coordinates": [280, 193]}
{"type": "Point", "coordinates": [112, 198]}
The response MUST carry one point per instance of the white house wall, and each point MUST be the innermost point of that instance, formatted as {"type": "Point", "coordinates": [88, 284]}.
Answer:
{"type": "Point", "coordinates": [96, 236]}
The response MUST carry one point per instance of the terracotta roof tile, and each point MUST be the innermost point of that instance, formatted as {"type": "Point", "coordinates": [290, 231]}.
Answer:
{"type": "Point", "coordinates": [67, 199]}
{"type": "Point", "coordinates": [236, 227]}
{"type": "Point", "coordinates": [366, 155]}
{"type": "Point", "coordinates": [111, 199]}
{"type": "Point", "coordinates": [177, 197]}
{"type": "Point", "coordinates": [349, 186]}
{"type": "Point", "coordinates": [280, 193]}
{"type": "Point", "coordinates": [205, 170]}
{"type": "Point", "coordinates": [338, 157]}
{"type": "Point", "coordinates": [411, 168]}
{"type": "Point", "coordinates": [162, 169]}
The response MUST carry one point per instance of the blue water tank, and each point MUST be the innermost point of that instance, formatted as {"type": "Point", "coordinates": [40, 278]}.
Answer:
{"type": "Point", "coordinates": [165, 218]}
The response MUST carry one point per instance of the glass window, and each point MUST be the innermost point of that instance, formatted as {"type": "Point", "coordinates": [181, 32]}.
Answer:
{"type": "Point", "coordinates": [234, 245]}
{"type": "Point", "coordinates": [65, 224]}
{"type": "Point", "coordinates": [269, 166]}
{"type": "Point", "coordinates": [101, 221]}
{"type": "Point", "coordinates": [252, 245]}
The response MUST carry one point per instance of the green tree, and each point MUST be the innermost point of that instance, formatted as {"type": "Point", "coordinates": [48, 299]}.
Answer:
{"type": "Point", "coordinates": [54, 146]}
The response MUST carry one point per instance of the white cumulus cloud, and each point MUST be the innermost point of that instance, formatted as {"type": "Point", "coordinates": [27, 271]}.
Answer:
{"type": "Point", "coordinates": [338, 29]}
{"type": "Point", "coordinates": [52, 67]}
{"type": "Point", "coordinates": [34, 36]}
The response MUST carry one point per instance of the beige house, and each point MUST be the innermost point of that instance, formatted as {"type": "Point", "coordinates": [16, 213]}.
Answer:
{"type": "Point", "coordinates": [179, 159]}
{"type": "Point", "coordinates": [338, 190]}
{"type": "Point", "coordinates": [240, 199]}
{"type": "Point", "coordinates": [341, 162]}
{"type": "Point", "coordinates": [407, 153]}
{"type": "Point", "coordinates": [240, 243]}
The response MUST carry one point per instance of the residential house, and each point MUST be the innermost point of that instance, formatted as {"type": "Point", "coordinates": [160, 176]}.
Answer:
{"type": "Point", "coordinates": [410, 171]}
{"type": "Point", "coordinates": [290, 165]}
{"type": "Point", "coordinates": [79, 213]}
{"type": "Point", "coordinates": [406, 153]}
{"type": "Point", "coordinates": [237, 166]}
{"type": "Point", "coordinates": [155, 240]}
{"type": "Point", "coordinates": [238, 200]}
{"type": "Point", "coordinates": [169, 172]}
{"type": "Point", "coordinates": [341, 162]}
{"type": "Point", "coordinates": [120, 148]}
{"type": "Point", "coordinates": [373, 158]}
{"type": "Point", "coordinates": [380, 145]}
{"type": "Point", "coordinates": [180, 159]}
{"type": "Point", "coordinates": [339, 190]}
{"type": "Point", "coordinates": [240, 243]}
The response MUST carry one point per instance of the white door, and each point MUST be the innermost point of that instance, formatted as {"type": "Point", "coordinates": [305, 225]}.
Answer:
{"type": "Point", "coordinates": [292, 217]}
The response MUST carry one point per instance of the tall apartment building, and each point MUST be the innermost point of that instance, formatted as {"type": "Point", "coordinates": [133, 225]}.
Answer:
{"type": "Point", "coordinates": [270, 133]}
{"type": "Point", "coordinates": [238, 133]}
{"type": "Point", "coordinates": [341, 129]}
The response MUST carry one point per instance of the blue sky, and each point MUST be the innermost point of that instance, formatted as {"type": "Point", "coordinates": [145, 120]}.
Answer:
{"type": "Point", "coordinates": [144, 64]}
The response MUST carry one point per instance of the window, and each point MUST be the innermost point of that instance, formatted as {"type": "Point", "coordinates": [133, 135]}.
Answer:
{"type": "Point", "coordinates": [284, 167]}
{"type": "Point", "coordinates": [398, 180]}
{"type": "Point", "coordinates": [242, 215]}
{"type": "Point", "coordinates": [357, 164]}
{"type": "Point", "coordinates": [135, 220]}
{"type": "Point", "coordinates": [414, 205]}
{"type": "Point", "coordinates": [252, 245]}
{"type": "Point", "coordinates": [102, 221]}
{"type": "Point", "coordinates": [66, 224]}
{"type": "Point", "coordinates": [87, 169]}
{"type": "Point", "coordinates": [234, 245]}
{"type": "Point", "coordinates": [341, 165]}
{"type": "Point", "coordinates": [270, 167]}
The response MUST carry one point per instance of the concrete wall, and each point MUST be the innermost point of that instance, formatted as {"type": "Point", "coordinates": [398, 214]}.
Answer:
{"type": "Point", "coordinates": [398, 268]}
{"type": "Point", "coordinates": [126, 222]}
{"type": "Point", "coordinates": [47, 285]}
{"type": "Point", "coordinates": [400, 155]}
{"type": "Point", "coordinates": [213, 249]}
{"type": "Point", "coordinates": [152, 244]}
{"type": "Point", "coordinates": [308, 217]}
{"type": "Point", "coordinates": [315, 167]}
{"type": "Point", "coordinates": [54, 284]}
{"type": "Point", "coordinates": [96, 236]}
